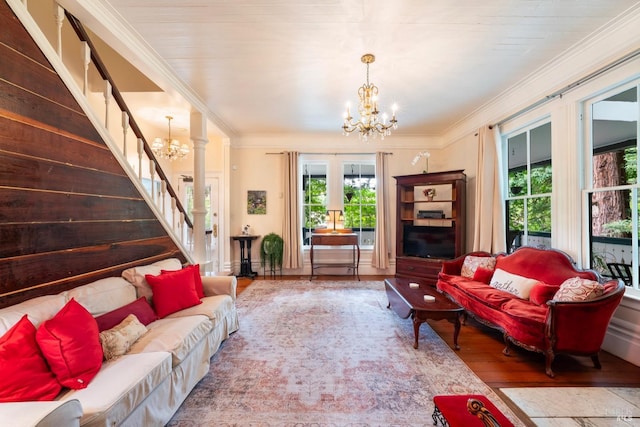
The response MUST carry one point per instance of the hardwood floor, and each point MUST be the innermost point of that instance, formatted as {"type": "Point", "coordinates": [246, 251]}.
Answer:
{"type": "Point", "coordinates": [481, 349]}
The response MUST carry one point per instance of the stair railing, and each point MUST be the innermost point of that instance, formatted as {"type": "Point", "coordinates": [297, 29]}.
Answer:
{"type": "Point", "coordinates": [161, 193]}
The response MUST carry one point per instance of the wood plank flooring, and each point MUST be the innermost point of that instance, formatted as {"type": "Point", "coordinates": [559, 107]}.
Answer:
{"type": "Point", "coordinates": [481, 349]}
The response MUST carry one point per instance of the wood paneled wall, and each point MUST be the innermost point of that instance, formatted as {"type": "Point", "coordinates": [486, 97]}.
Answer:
{"type": "Point", "coordinates": [69, 214]}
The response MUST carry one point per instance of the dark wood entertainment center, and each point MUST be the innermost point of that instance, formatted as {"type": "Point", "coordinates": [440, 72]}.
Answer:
{"type": "Point", "coordinates": [430, 222]}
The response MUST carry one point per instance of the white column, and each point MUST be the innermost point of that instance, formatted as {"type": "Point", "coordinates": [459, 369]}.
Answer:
{"type": "Point", "coordinates": [198, 129]}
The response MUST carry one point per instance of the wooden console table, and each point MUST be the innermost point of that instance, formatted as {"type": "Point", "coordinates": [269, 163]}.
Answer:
{"type": "Point", "coordinates": [336, 239]}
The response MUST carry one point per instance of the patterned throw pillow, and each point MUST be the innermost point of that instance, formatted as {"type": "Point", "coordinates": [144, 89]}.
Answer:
{"type": "Point", "coordinates": [518, 285]}
{"type": "Point", "coordinates": [119, 339]}
{"type": "Point", "coordinates": [578, 289]}
{"type": "Point", "coordinates": [471, 264]}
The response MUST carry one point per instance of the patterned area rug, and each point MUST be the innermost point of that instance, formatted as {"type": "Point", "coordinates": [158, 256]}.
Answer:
{"type": "Point", "coordinates": [326, 353]}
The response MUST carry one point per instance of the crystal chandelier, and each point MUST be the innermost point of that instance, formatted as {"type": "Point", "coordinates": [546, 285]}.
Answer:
{"type": "Point", "coordinates": [369, 125]}
{"type": "Point", "coordinates": [168, 148]}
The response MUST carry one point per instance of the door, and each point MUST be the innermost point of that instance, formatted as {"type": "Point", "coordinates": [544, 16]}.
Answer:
{"type": "Point", "coordinates": [212, 223]}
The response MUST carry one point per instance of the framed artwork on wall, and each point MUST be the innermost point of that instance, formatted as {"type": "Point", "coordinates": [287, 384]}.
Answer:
{"type": "Point", "coordinates": [256, 202]}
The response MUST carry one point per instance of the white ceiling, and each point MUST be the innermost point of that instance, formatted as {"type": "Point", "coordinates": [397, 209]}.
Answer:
{"type": "Point", "coordinates": [289, 66]}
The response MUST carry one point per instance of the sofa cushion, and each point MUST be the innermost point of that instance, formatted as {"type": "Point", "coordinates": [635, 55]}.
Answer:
{"type": "Point", "coordinates": [38, 309]}
{"type": "Point", "coordinates": [517, 285]}
{"type": "Point", "coordinates": [117, 340]}
{"type": "Point", "coordinates": [484, 293]}
{"type": "Point", "coordinates": [121, 386]}
{"type": "Point", "coordinates": [176, 335]}
{"type": "Point", "coordinates": [103, 295]}
{"type": "Point", "coordinates": [525, 321]}
{"type": "Point", "coordinates": [214, 307]}
{"type": "Point", "coordinates": [136, 275]}
{"type": "Point", "coordinates": [173, 291]}
{"type": "Point", "coordinates": [578, 289]}
{"type": "Point", "coordinates": [140, 308]}
{"type": "Point", "coordinates": [472, 263]}
{"type": "Point", "coordinates": [24, 373]}
{"type": "Point", "coordinates": [542, 292]}
{"type": "Point", "coordinates": [71, 345]}
{"type": "Point", "coordinates": [197, 279]}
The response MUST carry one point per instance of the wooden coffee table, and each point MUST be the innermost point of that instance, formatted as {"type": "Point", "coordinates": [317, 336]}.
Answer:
{"type": "Point", "coordinates": [408, 302]}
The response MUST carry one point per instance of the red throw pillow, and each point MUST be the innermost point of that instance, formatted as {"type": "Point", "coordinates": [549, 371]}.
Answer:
{"type": "Point", "coordinates": [70, 342]}
{"type": "Point", "coordinates": [483, 275]}
{"type": "Point", "coordinates": [24, 374]}
{"type": "Point", "coordinates": [173, 291]}
{"type": "Point", "coordinates": [196, 277]}
{"type": "Point", "coordinates": [542, 292]}
{"type": "Point", "coordinates": [140, 308]}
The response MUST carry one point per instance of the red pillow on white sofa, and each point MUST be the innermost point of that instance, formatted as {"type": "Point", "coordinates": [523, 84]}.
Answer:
{"type": "Point", "coordinates": [195, 268]}
{"type": "Point", "coordinates": [24, 374]}
{"type": "Point", "coordinates": [140, 308]}
{"type": "Point", "coordinates": [70, 342]}
{"type": "Point", "coordinates": [173, 291]}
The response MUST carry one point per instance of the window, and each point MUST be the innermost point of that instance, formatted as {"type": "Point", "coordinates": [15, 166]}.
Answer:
{"type": "Point", "coordinates": [612, 193]}
{"type": "Point", "coordinates": [188, 203]}
{"type": "Point", "coordinates": [314, 193]}
{"type": "Point", "coordinates": [359, 190]}
{"type": "Point", "coordinates": [529, 180]}
{"type": "Point", "coordinates": [335, 184]}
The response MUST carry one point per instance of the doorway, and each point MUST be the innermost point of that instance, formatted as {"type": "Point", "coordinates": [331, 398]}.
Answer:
{"type": "Point", "coordinates": [212, 218]}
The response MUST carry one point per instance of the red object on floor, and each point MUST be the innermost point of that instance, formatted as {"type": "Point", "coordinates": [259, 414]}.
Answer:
{"type": "Point", "coordinates": [453, 410]}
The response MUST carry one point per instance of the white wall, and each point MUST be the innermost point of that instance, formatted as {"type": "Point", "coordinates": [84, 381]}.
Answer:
{"type": "Point", "coordinates": [254, 168]}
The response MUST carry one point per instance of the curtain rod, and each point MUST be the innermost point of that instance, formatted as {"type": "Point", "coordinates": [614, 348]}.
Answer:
{"type": "Point", "coordinates": [571, 86]}
{"type": "Point", "coordinates": [337, 154]}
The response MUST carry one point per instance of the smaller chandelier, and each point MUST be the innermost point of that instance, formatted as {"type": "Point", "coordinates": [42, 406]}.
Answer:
{"type": "Point", "coordinates": [168, 148]}
{"type": "Point", "coordinates": [369, 125]}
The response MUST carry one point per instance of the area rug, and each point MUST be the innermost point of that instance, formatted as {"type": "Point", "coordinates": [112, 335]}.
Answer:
{"type": "Point", "coordinates": [326, 353]}
{"type": "Point", "coordinates": [578, 406]}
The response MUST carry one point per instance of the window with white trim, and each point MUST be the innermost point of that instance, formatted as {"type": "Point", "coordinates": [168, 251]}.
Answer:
{"type": "Point", "coordinates": [612, 193]}
{"type": "Point", "coordinates": [529, 179]}
{"type": "Point", "coordinates": [339, 191]}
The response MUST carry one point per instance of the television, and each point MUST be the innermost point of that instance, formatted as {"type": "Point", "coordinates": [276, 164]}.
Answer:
{"type": "Point", "coordinates": [429, 241]}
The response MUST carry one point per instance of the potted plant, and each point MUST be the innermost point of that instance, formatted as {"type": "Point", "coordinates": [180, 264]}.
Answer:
{"type": "Point", "coordinates": [271, 250]}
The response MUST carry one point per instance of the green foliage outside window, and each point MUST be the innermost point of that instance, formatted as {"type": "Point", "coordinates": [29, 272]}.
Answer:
{"type": "Point", "coordinates": [360, 211]}
{"type": "Point", "coordinates": [631, 165]}
{"type": "Point", "coordinates": [538, 207]}
{"type": "Point", "coordinates": [315, 201]}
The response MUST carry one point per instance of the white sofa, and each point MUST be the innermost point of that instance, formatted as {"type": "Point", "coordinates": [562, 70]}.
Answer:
{"type": "Point", "coordinates": [146, 386]}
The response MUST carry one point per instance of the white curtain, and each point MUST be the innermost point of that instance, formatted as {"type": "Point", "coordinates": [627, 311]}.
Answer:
{"type": "Point", "coordinates": [292, 255]}
{"type": "Point", "coordinates": [380, 257]}
{"type": "Point", "coordinates": [489, 207]}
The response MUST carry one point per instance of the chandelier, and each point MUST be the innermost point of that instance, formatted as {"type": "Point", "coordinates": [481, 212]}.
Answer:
{"type": "Point", "coordinates": [168, 148]}
{"type": "Point", "coordinates": [369, 125]}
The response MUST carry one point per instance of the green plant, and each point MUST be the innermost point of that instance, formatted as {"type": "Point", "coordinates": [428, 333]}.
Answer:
{"type": "Point", "coordinates": [620, 228]}
{"type": "Point", "coordinates": [271, 249]}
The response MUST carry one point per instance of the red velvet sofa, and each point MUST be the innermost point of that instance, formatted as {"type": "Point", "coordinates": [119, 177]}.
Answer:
{"type": "Point", "coordinates": [540, 322]}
